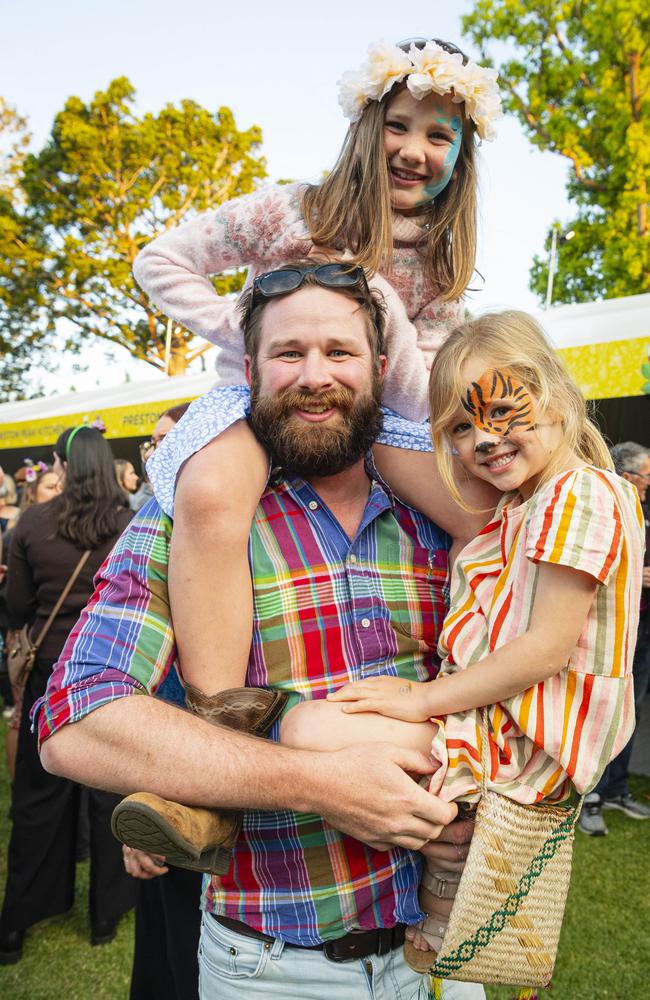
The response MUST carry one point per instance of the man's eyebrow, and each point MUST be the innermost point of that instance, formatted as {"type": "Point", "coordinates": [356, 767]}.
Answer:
{"type": "Point", "coordinates": [294, 343]}
{"type": "Point", "coordinates": [287, 345]}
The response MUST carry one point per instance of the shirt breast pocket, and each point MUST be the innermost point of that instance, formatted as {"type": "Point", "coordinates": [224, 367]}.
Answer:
{"type": "Point", "coordinates": [415, 582]}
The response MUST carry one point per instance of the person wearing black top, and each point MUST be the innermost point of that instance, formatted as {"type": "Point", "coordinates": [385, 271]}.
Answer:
{"type": "Point", "coordinates": [46, 546]}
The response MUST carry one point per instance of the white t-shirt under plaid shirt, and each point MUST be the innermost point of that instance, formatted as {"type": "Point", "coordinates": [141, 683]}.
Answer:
{"type": "Point", "coordinates": [566, 729]}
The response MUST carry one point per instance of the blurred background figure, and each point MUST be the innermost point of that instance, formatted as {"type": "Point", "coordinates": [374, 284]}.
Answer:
{"type": "Point", "coordinates": [163, 426]}
{"type": "Point", "coordinates": [127, 478]}
{"type": "Point", "coordinates": [9, 510]}
{"type": "Point", "coordinates": [40, 484]}
{"type": "Point", "coordinates": [632, 462]}
{"type": "Point", "coordinates": [47, 544]}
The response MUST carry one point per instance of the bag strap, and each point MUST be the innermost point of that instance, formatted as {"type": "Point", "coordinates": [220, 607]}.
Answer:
{"type": "Point", "coordinates": [485, 764]}
{"type": "Point", "coordinates": [64, 593]}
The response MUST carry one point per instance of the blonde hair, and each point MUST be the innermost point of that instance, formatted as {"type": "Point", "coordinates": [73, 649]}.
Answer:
{"type": "Point", "coordinates": [351, 209]}
{"type": "Point", "coordinates": [512, 340]}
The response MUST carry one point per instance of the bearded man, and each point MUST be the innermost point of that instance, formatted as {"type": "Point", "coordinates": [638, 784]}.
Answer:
{"type": "Point", "coordinates": [348, 582]}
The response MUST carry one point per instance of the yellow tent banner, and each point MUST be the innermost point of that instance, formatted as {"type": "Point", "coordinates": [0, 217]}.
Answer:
{"type": "Point", "coordinates": [135, 420]}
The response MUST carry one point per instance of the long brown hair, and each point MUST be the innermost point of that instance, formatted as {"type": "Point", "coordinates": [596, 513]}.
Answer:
{"type": "Point", "coordinates": [91, 499]}
{"type": "Point", "coordinates": [351, 209]}
{"type": "Point", "coordinates": [512, 340]}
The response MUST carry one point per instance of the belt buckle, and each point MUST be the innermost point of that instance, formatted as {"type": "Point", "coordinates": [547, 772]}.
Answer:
{"type": "Point", "coordinates": [331, 952]}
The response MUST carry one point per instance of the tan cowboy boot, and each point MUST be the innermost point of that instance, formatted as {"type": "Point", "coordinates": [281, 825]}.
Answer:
{"type": "Point", "coordinates": [190, 836]}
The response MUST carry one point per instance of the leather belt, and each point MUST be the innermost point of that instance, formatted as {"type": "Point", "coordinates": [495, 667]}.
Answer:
{"type": "Point", "coordinates": [356, 944]}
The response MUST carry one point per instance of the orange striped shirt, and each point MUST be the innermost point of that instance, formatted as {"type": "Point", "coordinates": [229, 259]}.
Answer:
{"type": "Point", "coordinates": [566, 729]}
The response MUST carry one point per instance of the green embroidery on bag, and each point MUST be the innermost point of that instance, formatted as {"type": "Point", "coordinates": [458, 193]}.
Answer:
{"type": "Point", "coordinates": [466, 951]}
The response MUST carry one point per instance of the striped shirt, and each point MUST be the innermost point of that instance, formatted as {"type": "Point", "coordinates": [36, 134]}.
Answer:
{"type": "Point", "coordinates": [327, 610]}
{"type": "Point", "coordinates": [567, 728]}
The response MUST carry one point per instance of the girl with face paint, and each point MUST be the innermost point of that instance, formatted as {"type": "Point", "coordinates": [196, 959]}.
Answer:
{"type": "Point", "coordinates": [544, 601]}
{"type": "Point", "coordinates": [401, 202]}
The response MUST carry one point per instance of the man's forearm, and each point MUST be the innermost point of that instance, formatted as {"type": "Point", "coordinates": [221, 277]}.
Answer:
{"type": "Point", "coordinates": [141, 743]}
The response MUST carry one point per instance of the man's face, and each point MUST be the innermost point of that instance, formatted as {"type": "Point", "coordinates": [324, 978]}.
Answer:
{"type": "Point", "coordinates": [640, 478]}
{"type": "Point", "coordinates": [315, 385]}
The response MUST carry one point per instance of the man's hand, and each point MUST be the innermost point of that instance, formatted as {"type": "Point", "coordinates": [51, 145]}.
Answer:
{"type": "Point", "coordinates": [142, 865]}
{"type": "Point", "coordinates": [646, 576]}
{"type": "Point", "coordinates": [391, 696]}
{"type": "Point", "coordinates": [365, 792]}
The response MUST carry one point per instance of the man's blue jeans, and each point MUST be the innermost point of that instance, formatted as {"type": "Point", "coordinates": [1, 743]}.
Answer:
{"type": "Point", "coordinates": [233, 967]}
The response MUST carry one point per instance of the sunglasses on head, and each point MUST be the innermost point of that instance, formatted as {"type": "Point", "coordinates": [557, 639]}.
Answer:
{"type": "Point", "coordinates": [419, 43]}
{"type": "Point", "coordinates": [289, 279]}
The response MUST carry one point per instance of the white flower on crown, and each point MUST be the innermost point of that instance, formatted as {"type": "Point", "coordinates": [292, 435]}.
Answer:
{"type": "Point", "coordinates": [477, 87]}
{"type": "Point", "coordinates": [434, 69]}
{"type": "Point", "coordinates": [386, 65]}
{"type": "Point", "coordinates": [431, 69]}
{"type": "Point", "coordinates": [352, 95]}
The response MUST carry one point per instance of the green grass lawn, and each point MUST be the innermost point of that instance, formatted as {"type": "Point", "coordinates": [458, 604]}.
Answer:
{"type": "Point", "coordinates": [604, 949]}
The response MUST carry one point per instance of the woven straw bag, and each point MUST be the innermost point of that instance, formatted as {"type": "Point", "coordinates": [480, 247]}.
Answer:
{"type": "Point", "coordinates": [507, 915]}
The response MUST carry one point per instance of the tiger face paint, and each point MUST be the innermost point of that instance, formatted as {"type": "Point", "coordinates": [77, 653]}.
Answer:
{"type": "Point", "coordinates": [499, 434]}
{"type": "Point", "coordinates": [499, 403]}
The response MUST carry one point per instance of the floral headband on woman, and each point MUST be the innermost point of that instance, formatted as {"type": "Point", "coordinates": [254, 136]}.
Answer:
{"type": "Point", "coordinates": [427, 69]}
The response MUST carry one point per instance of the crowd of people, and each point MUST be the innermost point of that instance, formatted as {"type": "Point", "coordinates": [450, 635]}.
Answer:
{"type": "Point", "coordinates": [338, 605]}
{"type": "Point", "coordinates": [53, 517]}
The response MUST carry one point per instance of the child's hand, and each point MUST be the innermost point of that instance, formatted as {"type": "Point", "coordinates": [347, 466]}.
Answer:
{"type": "Point", "coordinates": [391, 696]}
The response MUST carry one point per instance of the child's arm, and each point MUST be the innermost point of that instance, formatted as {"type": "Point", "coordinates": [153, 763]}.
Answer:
{"type": "Point", "coordinates": [562, 600]}
{"type": "Point", "coordinates": [173, 269]}
{"type": "Point", "coordinates": [413, 476]}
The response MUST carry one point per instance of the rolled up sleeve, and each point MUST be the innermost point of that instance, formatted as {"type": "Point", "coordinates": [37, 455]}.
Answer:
{"type": "Point", "coordinates": [123, 643]}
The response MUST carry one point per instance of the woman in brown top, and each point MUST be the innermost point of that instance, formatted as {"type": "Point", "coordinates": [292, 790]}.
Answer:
{"type": "Point", "coordinates": [46, 546]}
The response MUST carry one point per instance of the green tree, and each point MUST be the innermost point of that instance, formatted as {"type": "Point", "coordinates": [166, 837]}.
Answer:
{"type": "Point", "coordinates": [104, 184]}
{"type": "Point", "coordinates": [24, 331]}
{"type": "Point", "coordinates": [578, 80]}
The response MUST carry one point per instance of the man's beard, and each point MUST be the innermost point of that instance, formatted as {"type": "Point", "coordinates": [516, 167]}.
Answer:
{"type": "Point", "coordinates": [316, 449]}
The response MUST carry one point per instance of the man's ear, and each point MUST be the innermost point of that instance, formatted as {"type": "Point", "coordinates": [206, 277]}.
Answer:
{"type": "Point", "coordinates": [247, 369]}
{"type": "Point", "coordinates": [382, 363]}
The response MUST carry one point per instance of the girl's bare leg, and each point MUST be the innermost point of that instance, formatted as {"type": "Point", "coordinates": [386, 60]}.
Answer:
{"type": "Point", "coordinates": [322, 725]}
{"type": "Point", "coordinates": [210, 587]}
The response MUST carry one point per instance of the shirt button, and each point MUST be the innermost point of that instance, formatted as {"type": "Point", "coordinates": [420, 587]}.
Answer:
{"type": "Point", "coordinates": [313, 505]}
{"type": "Point", "coordinates": [365, 622]}
{"type": "Point", "coordinates": [353, 559]}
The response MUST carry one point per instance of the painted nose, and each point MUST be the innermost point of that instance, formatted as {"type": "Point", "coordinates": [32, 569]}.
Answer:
{"type": "Point", "coordinates": [484, 442]}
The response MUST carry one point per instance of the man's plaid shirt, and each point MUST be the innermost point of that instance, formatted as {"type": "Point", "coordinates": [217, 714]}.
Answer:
{"type": "Point", "coordinates": [328, 610]}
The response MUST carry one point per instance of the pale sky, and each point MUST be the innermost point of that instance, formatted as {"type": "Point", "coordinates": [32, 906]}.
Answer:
{"type": "Point", "coordinates": [275, 65]}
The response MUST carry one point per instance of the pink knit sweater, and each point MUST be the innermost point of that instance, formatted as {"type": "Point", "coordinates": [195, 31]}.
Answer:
{"type": "Point", "coordinates": [262, 231]}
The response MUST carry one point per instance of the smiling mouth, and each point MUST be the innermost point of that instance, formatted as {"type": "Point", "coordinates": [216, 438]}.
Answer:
{"type": "Point", "coordinates": [315, 414]}
{"type": "Point", "coordinates": [406, 175]}
{"type": "Point", "coordinates": [501, 462]}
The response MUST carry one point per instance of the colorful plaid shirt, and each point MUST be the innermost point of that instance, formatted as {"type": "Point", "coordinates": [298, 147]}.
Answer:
{"type": "Point", "coordinates": [327, 610]}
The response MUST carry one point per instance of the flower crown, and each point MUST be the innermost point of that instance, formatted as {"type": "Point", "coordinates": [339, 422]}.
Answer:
{"type": "Point", "coordinates": [33, 470]}
{"type": "Point", "coordinates": [428, 69]}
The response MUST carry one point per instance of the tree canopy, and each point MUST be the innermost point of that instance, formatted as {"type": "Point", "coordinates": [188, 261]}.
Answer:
{"type": "Point", "coordinates": [578, 80]}
{"type": "Point", "coordinates": [105, 182]}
